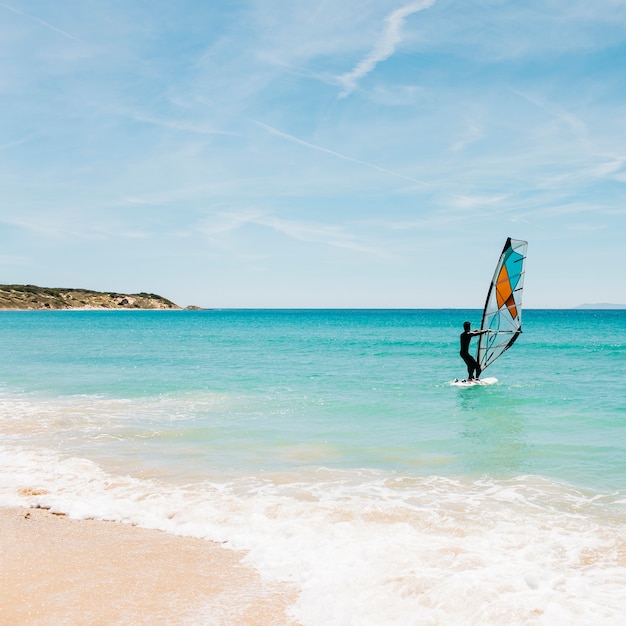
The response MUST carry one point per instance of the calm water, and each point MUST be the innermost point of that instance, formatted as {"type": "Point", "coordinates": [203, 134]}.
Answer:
{"type": "Point", "coordinates": [331, 446]}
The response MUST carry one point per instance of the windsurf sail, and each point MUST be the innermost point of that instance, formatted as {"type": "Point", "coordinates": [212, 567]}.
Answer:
{"type": "Point", "coordinates": [502, 316]}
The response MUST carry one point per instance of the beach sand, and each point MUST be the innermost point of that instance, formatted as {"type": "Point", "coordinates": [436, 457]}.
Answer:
{"type": "Point", "coordinates": [55, 570]}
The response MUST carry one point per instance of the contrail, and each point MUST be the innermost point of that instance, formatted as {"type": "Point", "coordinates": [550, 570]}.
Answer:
{"type": "Point", "coordinates": [385, 46]}
{"type": "Point", "coordinates": [313, 146]}
{"type": "Point", "coordinates": [42, 22]}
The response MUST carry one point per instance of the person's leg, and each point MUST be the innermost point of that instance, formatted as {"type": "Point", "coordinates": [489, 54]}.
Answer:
{"type": "Point", "coordinates": [471, 365]}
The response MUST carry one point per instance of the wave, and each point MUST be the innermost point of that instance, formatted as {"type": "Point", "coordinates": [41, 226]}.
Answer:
{"type": "Point", "coordinates": [367, 547]}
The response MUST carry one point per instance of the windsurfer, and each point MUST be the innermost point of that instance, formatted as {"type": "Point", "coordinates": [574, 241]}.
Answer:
{"type": "Point", "coordinates": [470, 361]}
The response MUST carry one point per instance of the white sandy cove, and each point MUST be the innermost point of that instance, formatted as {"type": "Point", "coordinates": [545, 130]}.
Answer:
{"type": "Point", "coordinates": [368, 548]}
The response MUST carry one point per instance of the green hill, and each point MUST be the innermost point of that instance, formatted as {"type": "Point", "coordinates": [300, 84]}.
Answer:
{"type": "Point", "coordinates": [33, 297]}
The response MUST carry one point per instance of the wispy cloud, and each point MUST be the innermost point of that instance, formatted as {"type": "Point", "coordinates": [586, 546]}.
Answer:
{"type": "Point", "coordinates": [472, 133]}
{"type": "Point", "coordinates": [556, 110]}
{"type": "Point", "coordinates": [345, 157]}
{"type": "Point", "coordinates": [177, 125]}
{"type": "Point", "coordinates": [384, 47]}
{"type": "Point", "coordinates": [613, 166]}
{"type": "Point", "coordinates": [34, 18]}
{"type": "Point", "coordinates": [11, 259]}
{"type": "Point", "coordinates": [398, 95]}
{"type": "Point", "coordinates": [220, 224]}
{"type": "Point", "coordinates": [325, 234]}
{"type": "Point", "coordinates": [475, 202]}
{"type": "Point", "coordinates": [16, 142]}
{"type": "Point", "coordinates": [73, 227]}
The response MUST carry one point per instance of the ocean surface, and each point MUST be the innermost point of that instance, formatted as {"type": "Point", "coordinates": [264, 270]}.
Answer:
{"type": "Point", "coordinates": [331, 447]}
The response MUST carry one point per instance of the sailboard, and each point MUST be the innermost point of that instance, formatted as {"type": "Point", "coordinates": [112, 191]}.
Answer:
{"type": "Point", "coordinates": [473, 382]}
{"type": "Point", "coordinates": [502, 315]}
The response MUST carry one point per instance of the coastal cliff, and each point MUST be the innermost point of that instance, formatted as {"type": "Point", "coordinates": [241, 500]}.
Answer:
{"type": "Point", "coordinates": [33, 297]}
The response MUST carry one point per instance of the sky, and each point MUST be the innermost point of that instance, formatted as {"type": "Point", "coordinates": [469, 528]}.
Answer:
{"type": "Point", "coordinates": [314, 153]}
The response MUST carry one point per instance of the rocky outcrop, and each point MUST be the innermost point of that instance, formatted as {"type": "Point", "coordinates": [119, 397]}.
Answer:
{"type": "Point", "coordinates": [33, 297]}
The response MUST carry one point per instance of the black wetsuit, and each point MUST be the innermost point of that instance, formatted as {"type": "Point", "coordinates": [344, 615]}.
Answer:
{"type": "Point", "coordinates": [472, 364]}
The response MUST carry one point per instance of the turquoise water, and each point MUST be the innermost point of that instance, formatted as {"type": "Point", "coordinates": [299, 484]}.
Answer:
{"type": "Point", "coordinates": [303, 434]}
{"type": "Point", "coordinates": [368, 387]}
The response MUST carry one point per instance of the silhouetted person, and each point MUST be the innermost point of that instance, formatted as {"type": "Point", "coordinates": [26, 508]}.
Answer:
{"type": "Point", "coordinates": [470, 361]}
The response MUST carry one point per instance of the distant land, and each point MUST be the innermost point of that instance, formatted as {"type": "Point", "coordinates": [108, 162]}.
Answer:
{"type": "Point", "coordinates": [33, 297]}
{"type": "Point", "coordinates": [602, 305]}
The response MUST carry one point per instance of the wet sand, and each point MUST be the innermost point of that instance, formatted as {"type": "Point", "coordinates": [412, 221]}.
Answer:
{"type": "Point", "coordinates": [55, 570]}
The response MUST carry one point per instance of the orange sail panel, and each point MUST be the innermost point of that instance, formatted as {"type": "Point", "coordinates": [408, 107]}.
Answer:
{"type": "Point", "coordinates": [504, 292]}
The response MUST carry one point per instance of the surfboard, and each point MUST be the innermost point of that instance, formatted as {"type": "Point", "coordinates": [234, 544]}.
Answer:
{"type": "Point", "coordinates": [474, 383]}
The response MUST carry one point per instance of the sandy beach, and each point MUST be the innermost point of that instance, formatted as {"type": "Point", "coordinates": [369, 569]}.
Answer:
{"type": "Point", "coordinates": [55, 570]}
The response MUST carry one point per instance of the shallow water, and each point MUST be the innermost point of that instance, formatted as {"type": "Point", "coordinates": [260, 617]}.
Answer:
{"type": "Point", "coordinates": [331, 446]}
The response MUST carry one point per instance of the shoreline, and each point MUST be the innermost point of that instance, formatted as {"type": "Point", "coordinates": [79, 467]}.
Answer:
{"type": "Point", "coordinates": [54, 569]}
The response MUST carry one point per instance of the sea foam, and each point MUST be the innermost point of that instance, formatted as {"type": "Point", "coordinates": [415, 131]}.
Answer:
{"type": "Point", "coordinates": [377, 547]}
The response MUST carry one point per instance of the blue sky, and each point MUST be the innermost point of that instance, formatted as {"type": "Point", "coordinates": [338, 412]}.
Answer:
{"type": "Point", "coordinates": [303, 153]}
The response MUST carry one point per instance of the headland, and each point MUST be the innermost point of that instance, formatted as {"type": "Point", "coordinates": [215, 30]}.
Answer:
{"type": "Point", "coordinates": [34, 297]}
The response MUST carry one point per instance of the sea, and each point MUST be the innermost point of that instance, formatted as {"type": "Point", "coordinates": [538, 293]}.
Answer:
{"type": "Point", "coordinates": [331, 448]}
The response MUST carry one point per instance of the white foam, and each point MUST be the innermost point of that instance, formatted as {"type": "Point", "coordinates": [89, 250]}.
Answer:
{"type": "Point", "coordinates": [368, 548]}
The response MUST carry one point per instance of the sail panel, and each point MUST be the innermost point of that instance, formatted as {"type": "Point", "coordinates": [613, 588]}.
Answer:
{"type": "Point", "coordinates": [502, 315]}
